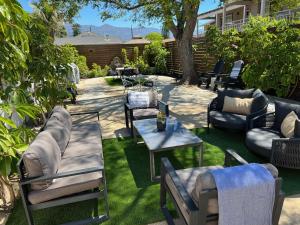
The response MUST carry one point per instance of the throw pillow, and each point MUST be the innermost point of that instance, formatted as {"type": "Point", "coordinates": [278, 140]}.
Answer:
{"type": "Point", "coordinates": [288, 125]}
{"type": "Point", "coordinates": [139, 99]}
{"type": "Point", "coordinates": [297, 129]}
{"type": "Point", "coordinates": [240, 106]}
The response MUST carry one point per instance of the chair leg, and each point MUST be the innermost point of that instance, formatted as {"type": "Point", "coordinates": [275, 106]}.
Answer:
{"type": "Point", "coordinates": [105, 197]}
{"type": "Point", "coordinates": [26, 209]}
{"type": "Point", "coordinates": [131, 122]}
{"type": "Point", "coordinates": [126, 117]}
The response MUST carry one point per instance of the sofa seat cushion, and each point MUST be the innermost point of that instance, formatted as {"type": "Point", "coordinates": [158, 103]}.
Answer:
{"type": "Point", "coordinates": [85, 140]}
{"type": "Point", "coordinates": [59, 132]}
{"type": "Point", "coordinates": [145, 113]}
{"type": "Point", "coordinates": [62, 187]}
{"type": "Point", "coordinates": [228, 120]}
{"type": "Point", "coordinates": [188, 178]}
{"type": "Point", "coordinates": [42, 158]}
{"type": "Point", "coordinates": [259, 140]}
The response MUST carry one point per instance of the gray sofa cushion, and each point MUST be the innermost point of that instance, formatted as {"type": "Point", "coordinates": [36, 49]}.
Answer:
{"type": "Point", "coordinates": [73, 184]}
{"type": "Point", "coordinates": [232, 93]}
{"type": "Point", "coordinates": [59, 132]}
{"type": "Point", "coordinates": [228, 120]}
{"type": "Point", "coordinates": [282, 109]}
{"type": "Point", "coordinates": [61, 114]}
{"type": "Point", "coordinates": [42, 158]}
{"type": "Point", "coordinates": [85, 140]}
{"type": "Point", "coordinates": [259, 140]}
{"type": "Point", "coordinates": [260, 100]}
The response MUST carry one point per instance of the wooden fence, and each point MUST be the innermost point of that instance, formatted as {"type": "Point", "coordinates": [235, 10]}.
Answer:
{"type": "Point", "coordinates": [104, 54]}
{"type": "Point", "coordinates": [203, 62]}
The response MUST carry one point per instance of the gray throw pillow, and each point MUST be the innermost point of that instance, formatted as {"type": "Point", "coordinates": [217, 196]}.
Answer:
{"type": "Point", "coordinates": [61, 114]}
{"type": "Point", "coordinates": [42, 158]}
{"type": "Point", "coordinates": [260, 100]}
{"type": "Point", "coordinates": [297, 129]}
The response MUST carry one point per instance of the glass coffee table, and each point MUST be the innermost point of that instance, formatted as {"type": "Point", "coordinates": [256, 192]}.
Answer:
{"type": "Point", "coordinates": [175, 136]}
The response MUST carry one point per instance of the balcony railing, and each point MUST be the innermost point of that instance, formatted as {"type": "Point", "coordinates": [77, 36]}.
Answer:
{"type": "Point", "coordinates": [237, 24]}
{"type": "Point", "coordinates": [290, 14]}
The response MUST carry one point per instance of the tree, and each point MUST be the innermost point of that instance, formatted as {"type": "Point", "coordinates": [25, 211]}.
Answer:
{"type": "Point", "coordinates": [277, 5]}
{"type": "Point", "coordinates": [165, 32]}
{"type": "Point", "coordinates": [76, 29]}
{"type": "Point", "coordinates": [179, 16]}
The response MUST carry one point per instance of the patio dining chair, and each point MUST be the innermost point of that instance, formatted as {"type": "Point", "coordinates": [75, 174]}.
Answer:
{"type": "Point", "coordinates": [194, 193]}
{"type": "Point", "coordinates": [142, 105]}
{"type": "Point", "coordinates": [232, 80]}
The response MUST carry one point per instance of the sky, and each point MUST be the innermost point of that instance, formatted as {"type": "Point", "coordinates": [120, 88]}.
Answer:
{"type": "Point", "coordinates": [90, 16]}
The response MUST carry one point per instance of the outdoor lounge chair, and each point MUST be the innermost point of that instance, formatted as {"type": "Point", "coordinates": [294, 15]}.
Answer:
{"type": "Point", "coordinates": [232, 80]}
{"type": "Point", "coordinates": [236, 121]}
{"type": "Point", "coordinates": [194, 194]}
{"type": "Point", "coordinates": [205, 78]}
{"type": "Point", "coordinates": [136, 112]}
{"type": "Point", "coordinates": [266, 139]}
{"type": "Point", "coordinates": [64, 164]}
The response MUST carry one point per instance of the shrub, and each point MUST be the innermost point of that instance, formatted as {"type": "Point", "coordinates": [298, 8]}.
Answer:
{"type": "Point", "coordinates": [124, 56]}
{"type": "Point", "coordinates": [97, 71]}
{"type": "Point", "coordinates": [135, 53]}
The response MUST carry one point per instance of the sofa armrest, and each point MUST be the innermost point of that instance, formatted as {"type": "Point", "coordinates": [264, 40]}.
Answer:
{"type": "Point", "coordinates": [254, 115]}
{"type": "Point", "coordinates": [262, 120]}
{"type": "Point", "coordinates": [212, 105]}
{"type": "Point", "coordinates": [167, 168]}
{"type": "Point", "coordinates": [285, 152]}
{"type": "Point", "coordinates": [61, 175]}
{"type": "Point", "coordinates": [85, 113]}
{"type": "Point", "coordinates": [231, 154]}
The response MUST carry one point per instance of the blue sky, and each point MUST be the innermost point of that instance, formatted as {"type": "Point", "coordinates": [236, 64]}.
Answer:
{"type": "Point", "coordinates": [90, 16]}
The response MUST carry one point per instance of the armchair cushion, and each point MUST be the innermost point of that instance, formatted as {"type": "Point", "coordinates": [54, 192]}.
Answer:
{"type": "Point", "coordinates": [259, 140]}
{"type": "Point", "coordinates": [59, 132]}
{"type": "Point", "coordinates": [42, 158]}
{"type": "Point", "coordinates": [288, 125]}
{"type": "Point", "coordinates": [228, 120]}
{"type": "Point", "coordinates": [139, 99]}
{"type": "Point", "coordinates": [260, 100]}
{"type": "Point", "coordinates": [232, 93]}
{"type": "Point", "coordinates": [199, 179]}
{"type": "Point", "coordinates": [282, 109]}
{"type": "Point", "coordinates": [73, 184]}
{"type": "Point", "coordinates": [145, 113]}
{"type": "Point", "coordinates": [240, 106]}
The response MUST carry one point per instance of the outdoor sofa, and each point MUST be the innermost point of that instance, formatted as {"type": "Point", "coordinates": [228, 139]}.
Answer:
{"type": "Point", "coordinates": [236, 121]}
{"type": "Point", "coordinates": [194, 194]}
{"type": "Point", "coordinates": [266, 139]}
{"type": "Point", "coordinates": [64, 164]}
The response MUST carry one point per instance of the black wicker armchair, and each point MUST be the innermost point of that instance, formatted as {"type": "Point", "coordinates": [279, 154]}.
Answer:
{"type": "Point", "coordinates": [265, 138]}
{"type": "Point", "coordinates": [218, 118]}
{"type": "Point", "coordinates": [137, 113]}
{"type": "Point", "coordinates": [195, 199]}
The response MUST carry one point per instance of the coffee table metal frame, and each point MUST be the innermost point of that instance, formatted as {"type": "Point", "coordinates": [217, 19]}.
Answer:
{"type": "Point", "coordinates": [198, 145]}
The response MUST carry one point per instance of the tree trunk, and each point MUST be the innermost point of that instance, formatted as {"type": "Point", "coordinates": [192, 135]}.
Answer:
{"type": "Point", "coordinates": [187, 60]}
{"type": "Point", "coordinates": [7, 205]}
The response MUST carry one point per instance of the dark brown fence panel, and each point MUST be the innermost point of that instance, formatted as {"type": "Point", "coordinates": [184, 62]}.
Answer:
{"type": "Point", "coordinates": [104, 54]}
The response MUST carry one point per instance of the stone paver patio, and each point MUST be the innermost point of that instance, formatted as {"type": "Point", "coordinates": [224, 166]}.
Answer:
{"type": "Point", "coordinates": [187, 103]}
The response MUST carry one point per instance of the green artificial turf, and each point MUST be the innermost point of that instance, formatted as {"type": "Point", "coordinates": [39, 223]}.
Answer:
{"type": "Point", "coordinates": [133, 199]}
{"type": "Point", "coordinates": [113, 81]}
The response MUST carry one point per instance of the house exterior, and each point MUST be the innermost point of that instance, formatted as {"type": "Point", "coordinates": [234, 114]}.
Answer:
{"type": "Point", "coordinates": [235, 13]}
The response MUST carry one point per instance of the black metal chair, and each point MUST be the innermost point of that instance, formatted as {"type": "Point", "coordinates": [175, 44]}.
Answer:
{"type": "Point", "coordinates": [265, 138]}
{"type": "Point", "coordinates": [205, 78]}
{"type": "Point", "coordinates": [232, 80]}
{"type": "Point", "coordinates": [218, 118]}
{"type": "Point", "coordinates": [136, 113]}
{"type": "Point", "coordinates": [199, 206]}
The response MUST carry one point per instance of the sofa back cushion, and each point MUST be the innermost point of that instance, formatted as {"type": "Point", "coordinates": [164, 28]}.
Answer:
{"type": "Point", "coordinates": [59, 132]}
{"type": "Point", "coordinates": [288, 125]}
{"type": "Point", "coordinates": [260, 101]}
{"type": "Point", "coordinates": [61, 114]}
{"type": "Point", "coordinates": [282, 109]}
{"type": "Point", "coordinates": [232, 93]}
{"type": "Point", "coordinates": [42, 158]}
{"type": "Point", "coordinates": [240, 106]}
